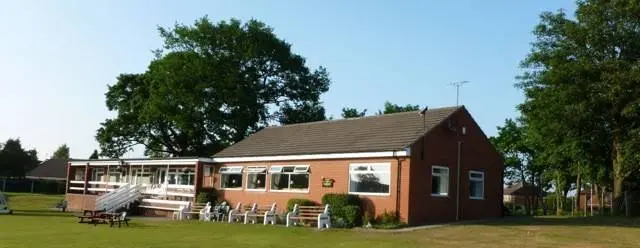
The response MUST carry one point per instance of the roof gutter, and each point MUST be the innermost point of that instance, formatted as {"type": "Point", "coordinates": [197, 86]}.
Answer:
{"type": "Point", "coordinates": [384, 154]}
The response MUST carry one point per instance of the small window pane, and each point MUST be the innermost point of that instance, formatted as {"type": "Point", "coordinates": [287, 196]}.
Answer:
{"type": "Point", "coordinates": [288, 169]}
{"type": "Point", "coordinates": [231, 180]}
{"type": "Point", "coordinates": [279, 181]}
{"type": "Point", "coordinates": [224, 169]}
{"type": "Point", "coordinates": [301, 169]}
{"type": "Point", "coordinates": [275, 169]}
{"type": "Point", "coordinates": [476, 175]}
{"type": "Point", "coordinates": [256, 181]}
{"type": "Point", "coordinates": [299, 181]}
{"type": "Point", "coordinates": [440, 181]}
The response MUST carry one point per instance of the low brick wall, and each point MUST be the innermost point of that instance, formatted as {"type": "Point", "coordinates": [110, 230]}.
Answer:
{"type": "Point", "coordinates": [79, 202]}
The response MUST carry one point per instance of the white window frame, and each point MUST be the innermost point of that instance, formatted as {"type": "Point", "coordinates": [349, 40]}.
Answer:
{"type": "Point", "coordinates": [369, 171]}
{"type": "Point", "coordinates": [231, 170]}
{"type": "Point", "coordinates": [278, 169]}
{"type": "Point", "coordinates": [94, 173]}
{"type": "Point", "coordinates": [448, 178]}
{"type": "Point", "coordinates": [207, 170]}
{"type": "Point", "coordinates": [481, 180]}
{"type": "Point", "coordinates": [257, 170]}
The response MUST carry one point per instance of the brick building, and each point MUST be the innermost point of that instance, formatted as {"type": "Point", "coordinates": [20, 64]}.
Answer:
{"type": "Point", "coordinates": [408, 163]}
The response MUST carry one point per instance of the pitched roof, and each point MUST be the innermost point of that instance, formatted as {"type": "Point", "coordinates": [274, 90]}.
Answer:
{"type": "Point", "coordinates": [389, 132]}
{"type": "Point", "coordinates": [52, 169]}
{"type": "Point", "coordinates": [521, 189]}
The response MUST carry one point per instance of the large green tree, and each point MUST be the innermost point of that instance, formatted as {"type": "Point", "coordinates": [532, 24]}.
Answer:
{"type": "Point", "coordinates": [210, 86]}
{"type": "Point", "coordinates": [583, 81]}
{"type": "Point", "coordinates": [15, 161]}
{"type": "Point", "coordinates": [61, 152]}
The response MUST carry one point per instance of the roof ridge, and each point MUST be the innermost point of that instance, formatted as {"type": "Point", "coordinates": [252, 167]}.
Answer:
{"type": "Point", "coordinates": [363, 117]}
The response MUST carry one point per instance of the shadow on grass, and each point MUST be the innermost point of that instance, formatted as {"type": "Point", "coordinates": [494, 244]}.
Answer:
{"type": "Point", "coordinates": [601, 221]}
{"type": "Point", "coordinates": [43, 212]}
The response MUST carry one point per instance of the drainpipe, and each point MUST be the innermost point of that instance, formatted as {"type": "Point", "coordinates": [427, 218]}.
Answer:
{"type": "Point", "coordinates": [398, 173]}
{"type": "Point", "coordinates": [458, 184]}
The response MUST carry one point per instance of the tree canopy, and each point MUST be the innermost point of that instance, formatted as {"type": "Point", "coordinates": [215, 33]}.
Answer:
{"type": "Point", "coordinates": [582, 89]}
{"type": "Point", "coordinates": [94, 155]}
{"type": "Point", "coordinates": [390, 108]}
{"type": "Point", "coordinates": [61, 152]}
{"type": "Point", "coordinates": [352, 113]}
{"type": "Point", "coordinates": [15, 161]}
{"type": "Point", "coordinates": [211, 85]}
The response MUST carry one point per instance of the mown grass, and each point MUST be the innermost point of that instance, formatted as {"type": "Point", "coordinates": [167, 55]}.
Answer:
{"type": "Point", "coordinates": [33, 225]}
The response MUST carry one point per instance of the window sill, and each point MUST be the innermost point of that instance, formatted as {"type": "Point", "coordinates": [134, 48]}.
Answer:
{"type": "Point", "coordinates": [370, 194]}
{"type": "Point", "coordinates": [476, 198]}
{"type": "Point", "coordinates": [438, 195]}
{"type": "Point", "coordinates": [256, 190]}
{"type": "Point", "coordinates": [231, 189]}
{"type": "Point", "coordinates": [290, 191]}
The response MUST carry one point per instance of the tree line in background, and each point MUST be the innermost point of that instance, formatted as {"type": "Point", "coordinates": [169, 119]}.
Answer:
{"type": "Point", "coordinates": [580, 121]}
{"type": "Point", "coordinates": [16, 161]}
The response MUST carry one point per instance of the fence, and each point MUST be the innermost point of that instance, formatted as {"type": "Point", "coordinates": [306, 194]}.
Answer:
{"type": "Point", "coordinates": [630, 204]}
{"type": "Point", "coordinates": [32, 186]}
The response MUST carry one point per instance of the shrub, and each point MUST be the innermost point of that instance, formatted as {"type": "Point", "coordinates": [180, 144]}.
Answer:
{"type": "Point", "coordinates": [204, 197]}
{"type": "Point", "coordinates": [344, 208]}
{"type": "Point", "coordinates": [351, 215]}
{"type": "Point", "coordinates": [387, 218]}
{"type": "Point", "coordinates": [301, 202]}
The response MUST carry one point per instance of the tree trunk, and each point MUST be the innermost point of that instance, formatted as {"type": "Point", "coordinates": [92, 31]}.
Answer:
{"type": "Point", "coordinates": [603, 195]}
{"type": "Point", "coordinates": [578, 189]}
{"type": "Point", "coordinates": [597, 197]}
{"type": "Point", "coordinates": [618, 177]}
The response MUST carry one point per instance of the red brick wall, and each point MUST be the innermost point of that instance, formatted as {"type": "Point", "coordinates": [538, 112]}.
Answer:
{"type": "Point", "coordinates": [477, 153]}
{"type": "Point", "coordinates": [78, 202]}
{"type": "Point", "coordinates": [334, 169]}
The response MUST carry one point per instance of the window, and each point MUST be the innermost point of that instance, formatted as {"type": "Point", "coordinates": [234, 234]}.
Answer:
{"type": "Point", "coordinates": [97, 174]}
{"type": "Point", "coordinates": [231, 177]}
{"type": "Point", "coordinates": [373, 178]}
{"type": "Point", "coordinates": [439, 181]}
{"type": "Point", "coordinates": [256, 178]}
{"type": "Point", "coordinates": [114, 175]}
{"type": "Point", "coordinates": [476, 185]}
{"type": "Point", "coordinates": [208, 170]}
{"type": "Point", "coordinates": [289, 178]}
{"type": "Point", "coordinates": [79, 176]}
{"type": "Point", "coordinates": [187, 178]}
{"type": "Point", "coordinates": [142, 176]}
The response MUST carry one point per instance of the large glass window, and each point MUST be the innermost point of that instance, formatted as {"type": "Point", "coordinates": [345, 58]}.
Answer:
{"type": "Point", "coordinates": [142, 176]}
{"type": "Point", "coordinates": [371, 178]}
{"type": "Point", "coordinates": [114, 175]}
{"type": "Point", "coordinates": [289, 178]}
{"type": "Point", "coordinates": [256, 178]}
{"type": "Point", "coordinates": [187, 178]}
{"type": "Point", "coordinates": [97, 174]}
{"type": "Point", "coordinates": [79, 176]}
{"type": "Point", "coordinates": [439, 181]}
{"type": "Point", "coordinates": [231, 177]}
{"type": "Point", "coordinates": [476, 185]}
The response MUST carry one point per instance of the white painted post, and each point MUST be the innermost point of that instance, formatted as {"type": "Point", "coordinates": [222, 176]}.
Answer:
{"type": "Point", "coordinates": [591, 199]}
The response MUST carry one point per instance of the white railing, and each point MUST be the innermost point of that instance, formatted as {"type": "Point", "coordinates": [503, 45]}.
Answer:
{"type": "Point", "coordinates": [118, 198]}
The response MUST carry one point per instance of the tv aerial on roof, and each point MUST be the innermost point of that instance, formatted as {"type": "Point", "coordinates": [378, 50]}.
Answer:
{"type": "Point", "coordinates": [458, 85]}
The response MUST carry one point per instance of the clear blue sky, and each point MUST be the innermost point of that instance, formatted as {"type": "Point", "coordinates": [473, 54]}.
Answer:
{"type": "Point", "coordinates": [57, 57]}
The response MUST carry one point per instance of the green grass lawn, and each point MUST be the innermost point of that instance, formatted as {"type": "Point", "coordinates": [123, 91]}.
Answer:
{"type": "Point", "coordinates": [32, 225]}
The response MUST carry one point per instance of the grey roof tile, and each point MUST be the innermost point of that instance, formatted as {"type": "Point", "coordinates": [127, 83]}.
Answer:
{"type": "Point", "coordinates": [366, 134]}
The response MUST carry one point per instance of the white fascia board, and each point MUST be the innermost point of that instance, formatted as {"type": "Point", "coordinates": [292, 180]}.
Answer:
{"type": "Point", "coordinates": [314, 156]}
{"type": "Point", "coordinates": [141, 162]}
